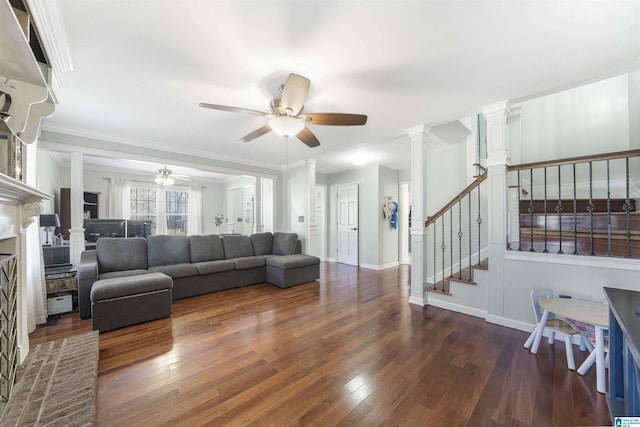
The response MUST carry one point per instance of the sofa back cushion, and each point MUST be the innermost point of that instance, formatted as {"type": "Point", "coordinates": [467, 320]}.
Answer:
{"type": "Point", "coordinates": [206, 248]}
{"type": "Point", "coordinates": [284, 243]}
{"type": "Point", "coordinates": [167, 250]}
{"type": "Point", "coordinates": [119, 254]}
{"type": "Point", "coordinates": [262, 243]}
{"type": "Point", "coordinates": [237, 246]}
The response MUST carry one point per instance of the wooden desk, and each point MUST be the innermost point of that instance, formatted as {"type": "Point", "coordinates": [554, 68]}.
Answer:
{"type": "Point", "coordinates": [594, 313]}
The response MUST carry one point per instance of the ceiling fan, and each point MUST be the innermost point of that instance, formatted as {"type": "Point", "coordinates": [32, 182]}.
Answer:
{"type": "Point", "coordinates": [286, 117]}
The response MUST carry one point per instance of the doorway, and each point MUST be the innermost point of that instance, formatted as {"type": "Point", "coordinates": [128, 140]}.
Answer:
{"type": "Point", "coordinates": [348, 233]}
{"type": "Point", "coordinates": [321, 220]}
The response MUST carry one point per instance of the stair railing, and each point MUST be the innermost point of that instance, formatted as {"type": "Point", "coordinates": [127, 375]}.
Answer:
{"type": "Point", "coordinates": [456, 216]}
{"type": "Point", "coordinates": [579, 205]}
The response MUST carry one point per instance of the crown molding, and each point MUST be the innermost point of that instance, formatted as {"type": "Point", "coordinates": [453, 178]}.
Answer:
{"type": "Point", "coordinates": [51, 31]}
{"type": "Point", "coordinates": [145, 143]}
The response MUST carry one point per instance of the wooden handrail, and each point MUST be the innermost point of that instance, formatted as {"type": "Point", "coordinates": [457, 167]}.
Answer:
{"type": "Point", "coordinates": [456, 199]}
{"type": "Point", "coordinates": [572, 160]}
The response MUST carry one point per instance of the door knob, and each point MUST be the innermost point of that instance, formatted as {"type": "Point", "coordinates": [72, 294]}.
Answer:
{"type": "Point", "coordinates": [354, 229]}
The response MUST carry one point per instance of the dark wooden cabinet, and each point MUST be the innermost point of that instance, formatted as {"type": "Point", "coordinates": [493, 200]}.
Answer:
{"type": "Point", "coordinates": [90, 208]}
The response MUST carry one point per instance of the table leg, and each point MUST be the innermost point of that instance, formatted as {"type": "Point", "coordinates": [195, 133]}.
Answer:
{"type": "Point", "coordinates": [600, 375]}
{"type": "Point", "coordinates": [541, 326]}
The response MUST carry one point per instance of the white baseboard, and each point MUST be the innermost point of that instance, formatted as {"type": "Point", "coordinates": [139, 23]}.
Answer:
{"type": "Point", "coordinates": [330, 260]}
{"type": "Point", "coordinates": [456, 307]}
{"type": "Point", "coordinates": [380, 267]}
{"type": "Point", "coordinates": [417, 301]}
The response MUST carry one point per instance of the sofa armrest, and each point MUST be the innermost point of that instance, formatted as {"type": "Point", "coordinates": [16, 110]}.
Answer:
{"type": "Point", "coordinates": [87, 274]}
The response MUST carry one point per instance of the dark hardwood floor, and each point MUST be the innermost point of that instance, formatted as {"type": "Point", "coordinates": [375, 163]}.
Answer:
{"type": "Point", "coordinates": [347, 350]}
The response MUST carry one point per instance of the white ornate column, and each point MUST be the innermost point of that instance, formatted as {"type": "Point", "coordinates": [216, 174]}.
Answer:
{"type": "Point", "coordinates": [258, 225]}
{"type": "Point", "coordinates": [418, 137]}
{"type": "Point", "coordinates": [513, 219]}
{"type": "Point", "coordinates": [312, 224]}
{"type": "Point", "coordinates": [498, 157]}
{"type": "Point", "coordinates": [76, 233]}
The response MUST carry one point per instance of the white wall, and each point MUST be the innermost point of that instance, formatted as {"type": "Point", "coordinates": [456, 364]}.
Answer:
{"type": "Point", "coordinates": [295, 200]}
{"type": "Point", "coordinates": [48, 181]}
{"type": "Point", "coordinates": [591, 119]}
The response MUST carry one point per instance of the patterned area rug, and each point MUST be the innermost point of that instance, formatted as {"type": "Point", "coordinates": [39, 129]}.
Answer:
{"type": "Point", "coordinates": [57, 384]}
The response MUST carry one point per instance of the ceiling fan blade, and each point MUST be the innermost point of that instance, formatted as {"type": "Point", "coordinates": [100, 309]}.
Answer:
{"type": "Point", "coordinates": [335, 119]}
{"type": "Point", "coordinates": [294, 93]}
{"type": "Point", "coordinates": [308, 138]}
{"type": "Point", "coordinates": [256, 133]}
{"type": "Point", "coordinates": [232, 109]}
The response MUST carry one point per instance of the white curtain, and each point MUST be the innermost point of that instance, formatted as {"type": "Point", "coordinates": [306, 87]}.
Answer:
{"type": "Point", "coordinates": [118, 204]}
{"type": "Point", "coordinates": [161, 211]}
{"type": "Point", "coordinates": [195, 210]}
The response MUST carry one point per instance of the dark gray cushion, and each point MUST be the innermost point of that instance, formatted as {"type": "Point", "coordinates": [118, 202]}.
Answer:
{"type": "Point", "coordinates": [133, 285]}
{"type": "Point", "coordinates": [112, 274]}
{"type": "Point", "coordinates": [237, 246]}
{"type": "Point", "coordinates": [249, 262]}
{"type": "Point", "coordinates": [292, 261]}
{"type": "Point", "coordinates": [117, 254]}
{"type": "Point", "coordinates": [262, 243]}
{"type": "Point", "coordinates": [206, 248]}
{"type": "Point", "coordinates": [176, 271]}
{"type": "Point", "coordinates": [209, 267]}
{"type": "Point", "coordinates": [284, 243]}
{"type": "Point", "coordinates": [167, 250]}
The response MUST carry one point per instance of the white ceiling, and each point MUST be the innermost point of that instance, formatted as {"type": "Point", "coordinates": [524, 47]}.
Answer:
{"type": "Point", "coordinates": [141, 67]}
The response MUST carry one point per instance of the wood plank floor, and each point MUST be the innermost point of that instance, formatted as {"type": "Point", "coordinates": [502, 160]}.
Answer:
{"type": "Point", "coordinates": [347, 350]}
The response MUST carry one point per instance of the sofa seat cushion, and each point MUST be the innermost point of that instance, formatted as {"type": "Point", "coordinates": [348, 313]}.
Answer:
{"type": "Point", "coordinates": [176, 271]}
{"type": "Point", "coordinates": [210, 267]}
{"type": "Point", "coordinates": [125, 273]}
{"type": "Point", "coordinates": [292, 261]}
{"type": "Point", "coordinates": [125, 286]}
{"type": "Point", "coordinates": [249, 262]}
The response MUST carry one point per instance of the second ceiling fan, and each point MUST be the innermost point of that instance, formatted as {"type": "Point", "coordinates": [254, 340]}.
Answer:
{"type": "Point", "coordinates": [286, 117]}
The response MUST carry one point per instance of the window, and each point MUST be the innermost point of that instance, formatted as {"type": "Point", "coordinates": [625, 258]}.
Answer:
{"type": "Point", "coordinates": [143, 207]}
{"type": "Point", "coordinates": [177, 212]}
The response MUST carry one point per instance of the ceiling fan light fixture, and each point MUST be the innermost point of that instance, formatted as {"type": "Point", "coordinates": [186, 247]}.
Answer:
{"type": "Point", "coordinates": [165, 178]}
{"type": "Point", "coordinates": [286, 126]}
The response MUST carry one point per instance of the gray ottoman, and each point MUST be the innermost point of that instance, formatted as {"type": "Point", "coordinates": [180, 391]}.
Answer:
{"type": "Point", "coordinates": [290, 270]}
{"type": "Point", "coordinates": [125, 301]}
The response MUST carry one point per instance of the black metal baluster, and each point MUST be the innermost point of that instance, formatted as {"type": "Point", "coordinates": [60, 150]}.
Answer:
{"type": "Point", "coordinates": [591, 207]}
{"type": "Point", "coordinates": [451, 241]}
{"type": "Point", "coordinates": [443, 247]}
{"type": "Point", "coordinates": [575, 214]}
{"type": "Point", "coordinates": [608, 211]}
{"type": "Point", "coordinates": [469, 233]}
{"type": "Point", "coordinates": [545, 251]}
{"type": "Point", "coordinates": [531, 209]}
{"type": "Point", "coordinates": [479, 220]}
{"type": "Point", "coordinates": [627, 209]}
{"type": "Point", "coordinates": [460, 238]}
{"type": "Point", "coordinates": [519, 229]}
{"type": "Point", "coordinates": [559, 209]}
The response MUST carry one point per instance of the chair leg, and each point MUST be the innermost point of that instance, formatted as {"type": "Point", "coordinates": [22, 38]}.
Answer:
{"type": "Point", "coordinates": [569, 347]}
{"type": "Point", "coordinates": [529, 341]}
{"type": "Point", "coordinates": [587, 363]}
{"type": "Point", "coordinates": [583, 346]}
{"type": "Point", "coordinates": [552, 336]}
{"type": "Point", "coordinates": [587, 343]}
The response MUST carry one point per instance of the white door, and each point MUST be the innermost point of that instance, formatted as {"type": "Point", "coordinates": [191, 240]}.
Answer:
{"type": "Point", "coordinates": [348, 224]}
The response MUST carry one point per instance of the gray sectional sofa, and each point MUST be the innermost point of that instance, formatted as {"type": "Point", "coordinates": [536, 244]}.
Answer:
{"type": "Point", "coordinates": [195, 264]}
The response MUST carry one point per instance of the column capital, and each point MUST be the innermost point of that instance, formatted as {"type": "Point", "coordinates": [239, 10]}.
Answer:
{"type": "Point", "coordinates": [498, 109]}
{"type": "Point", "coordinates": [311, 162]}
{"type": "Point", "coordinates": [417, 132]}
